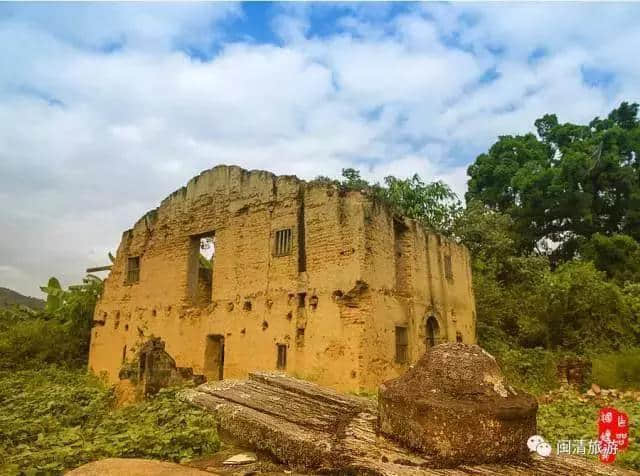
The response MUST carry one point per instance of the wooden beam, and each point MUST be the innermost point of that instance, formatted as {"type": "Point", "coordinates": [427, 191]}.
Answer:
{"type": "Point", "coordinates": [99, 268]}
{"type": "Point", "coordinates": [310, 427]}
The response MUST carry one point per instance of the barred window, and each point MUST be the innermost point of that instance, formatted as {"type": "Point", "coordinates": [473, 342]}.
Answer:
{"type": "Point", "coordinates": [283, 242]}
{"type": "Point", "coordinates": [133, 269]}
{"type": "Point", "coordinates": [448, 270]}
{"type": "Point", "coordinates": [402, 345]}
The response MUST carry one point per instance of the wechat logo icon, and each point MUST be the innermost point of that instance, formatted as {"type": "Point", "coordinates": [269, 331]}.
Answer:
{"type": "Point", "coordinates": [539, 445]}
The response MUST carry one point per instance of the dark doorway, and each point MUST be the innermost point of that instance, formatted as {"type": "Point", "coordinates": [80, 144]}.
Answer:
{"type": "Point", "coordinates": [214, 357]}
{"type": "Point", "coordinates": [402, 345]}
{"type": "Point", "coordinates": [433, 332]}
{"type": "Point", "coordinates": [281, 363]}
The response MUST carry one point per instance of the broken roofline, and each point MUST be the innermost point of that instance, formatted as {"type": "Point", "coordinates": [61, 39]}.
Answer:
{"type": "Point", "coordinates": [259, 220]}
{"type": "Point", "coordinates": [185, 191]}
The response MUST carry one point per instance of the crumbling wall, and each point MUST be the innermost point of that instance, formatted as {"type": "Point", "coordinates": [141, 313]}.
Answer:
{"type": "Point", "coordinates": [256, 299]}
{"type": "Point", "coordinates": [152, 369]}
{"type": "Point", "coordinates": [406, 271]}
{"type": "Point", "coordinates": [308, 300]}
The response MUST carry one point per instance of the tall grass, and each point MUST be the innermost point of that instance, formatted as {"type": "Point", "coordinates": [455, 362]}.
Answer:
{"type": "Point", "coordinates": [617, 369]}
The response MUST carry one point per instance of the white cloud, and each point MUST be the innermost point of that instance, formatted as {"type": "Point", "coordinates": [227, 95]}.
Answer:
{"type": "Point", "coordinates": [137, 26]}
{"type": "Point", "coordinates": [92, 139]}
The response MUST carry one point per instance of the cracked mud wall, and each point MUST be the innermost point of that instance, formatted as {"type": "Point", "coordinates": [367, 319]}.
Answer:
{"type": "Point", "coordinates": [260, 300]}
{"type": "Point", "coordinates": [408, 282]}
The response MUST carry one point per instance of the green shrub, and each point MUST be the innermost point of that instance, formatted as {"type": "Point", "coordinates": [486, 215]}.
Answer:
{"type": "Point", "coordinates": [30, 343]}
{"type": "Point", "coordinates": [617, 370]}
{"type": "Point", "coordinates": [55, 419]}
{"type": "Point", "coordinates": [58, 334]}
{"type": "Point", "coordinates": [533, 370]}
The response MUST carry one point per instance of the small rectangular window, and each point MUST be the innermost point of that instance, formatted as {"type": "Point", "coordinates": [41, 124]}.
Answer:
{"type": "Point", "coordinates": [302, 300]}
{"type": "Point", "coordinates": [283, 242]}
{"type": "Point", "coordinates": [402, 345]}
{"type": "Point", "coordinates": [448, 270]}
{"type": "Point", "coordinates": [281, 363]}
{"type": "Point", "coordinates": [133, 269]}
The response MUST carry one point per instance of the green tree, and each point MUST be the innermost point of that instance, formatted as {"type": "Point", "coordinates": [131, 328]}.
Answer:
{"type": "Point", "coordinates": [509, 288]}
{"type": "Point", "coordinates": [351, 179]}
{"type": "Point", "coordinates": [566, 184]}
{"type": "Point", "coordinates": [488, 234]}
{"type": "Point", "coordinates": [522, 302]}
{"type": "Point", "coordinates": [631, 293]}
{"type": "Point", "coordinates": [433, 204]}
{"type": "Point", "coordinates": [617, 255]}
{"type": "Point", "coordinates": [585, 312]}
{"type": "Point", "coordinates": [58, 334]}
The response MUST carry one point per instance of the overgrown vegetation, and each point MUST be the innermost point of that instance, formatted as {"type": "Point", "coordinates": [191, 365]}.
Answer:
{"type": "Point", "coordinates": [618, 369]}
{"type": "Point", "coordinates": [55, 416]}
{"type": "Point", "coordinates": [55, 419]}
{"type": "Point", "coordinates": [552, 222]}
{"type": "Point", "coordinates": [59, 333]}
{"type": "Point", "coordinates": [568, 418]}
{"type": "Point", "coordinates": [433, 204]}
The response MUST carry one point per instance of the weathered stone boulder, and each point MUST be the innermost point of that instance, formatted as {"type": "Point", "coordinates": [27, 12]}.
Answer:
{"type": "Point", "coordinates": [455, 407]}
{"type": "Point", "coordinates": [135, 467]}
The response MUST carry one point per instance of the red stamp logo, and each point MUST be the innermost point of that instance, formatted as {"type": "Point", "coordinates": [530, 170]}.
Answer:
{"type": "Point", "coordinates": [613, 433]}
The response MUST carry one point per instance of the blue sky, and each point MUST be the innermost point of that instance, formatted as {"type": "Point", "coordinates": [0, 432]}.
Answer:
{"type": "Point", "coordinates": [107, 108]}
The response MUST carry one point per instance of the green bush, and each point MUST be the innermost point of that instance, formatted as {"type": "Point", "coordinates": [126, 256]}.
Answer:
{"type": "Point", "coordinates": [533, 370]}
{"type": "Point", "coordinates": [55, 419]}
{"type": "Point", "coordinates": [617, 370]}
{"type": "Point", "coordinates": [58, 334]}
{"type": "Point", "coordinates": [29, 343]}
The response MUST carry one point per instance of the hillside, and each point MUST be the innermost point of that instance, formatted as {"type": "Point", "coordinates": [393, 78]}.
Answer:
{"type": "Point", "coordinates": [10, 298]}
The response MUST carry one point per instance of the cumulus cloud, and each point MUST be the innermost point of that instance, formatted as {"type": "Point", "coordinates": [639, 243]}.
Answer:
{"type": "Point", "coordinates": [106, 109]}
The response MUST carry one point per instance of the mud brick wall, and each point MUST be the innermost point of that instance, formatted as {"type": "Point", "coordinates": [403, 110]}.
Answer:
{"type": "Point", "coordinates": [353, 273]}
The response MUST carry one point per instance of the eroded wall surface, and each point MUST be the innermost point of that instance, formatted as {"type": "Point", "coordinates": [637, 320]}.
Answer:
{"type": "Point", "coordinates": [352, 274]}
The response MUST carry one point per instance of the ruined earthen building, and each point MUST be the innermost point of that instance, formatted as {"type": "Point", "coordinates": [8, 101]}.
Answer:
{"type": "Point", "coordinates": [244, 270]}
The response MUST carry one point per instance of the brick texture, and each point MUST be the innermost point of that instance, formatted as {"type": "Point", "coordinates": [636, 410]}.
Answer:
{"type": "Point", "coordinates": [361, 270]}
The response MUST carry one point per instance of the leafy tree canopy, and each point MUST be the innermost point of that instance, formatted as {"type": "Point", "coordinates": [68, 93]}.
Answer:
{"type": "Point", "coordinates": [584, 305]}
{"type": "Point", "coordinates": [567, 183]}
{"type": "Point", "coordinates": [433, 204]}
{"type": "Point", "coordinates": [617, 255]}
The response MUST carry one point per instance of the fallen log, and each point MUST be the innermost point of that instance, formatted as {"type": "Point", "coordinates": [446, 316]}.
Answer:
{"type": "Point", "coordinates": [312, 428]}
